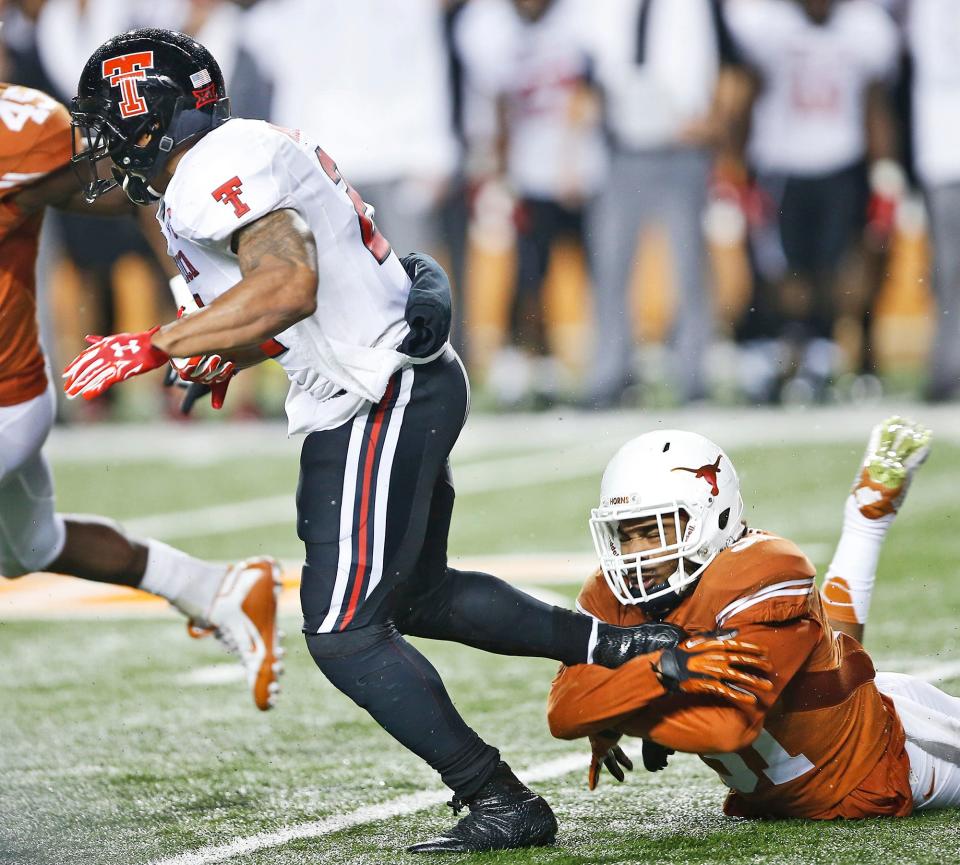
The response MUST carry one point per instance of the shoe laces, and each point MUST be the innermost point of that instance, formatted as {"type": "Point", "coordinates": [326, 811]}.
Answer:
{"type": "Point", "coordinates": [457, 804]}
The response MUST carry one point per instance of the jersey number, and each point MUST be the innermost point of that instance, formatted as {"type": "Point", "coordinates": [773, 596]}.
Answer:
{"type": "Point", "coordinates": [780, 766]}
{"type": "Point", "coordinates": [20, 105]}
{"type": "Point", "coordinates": [372, 238]}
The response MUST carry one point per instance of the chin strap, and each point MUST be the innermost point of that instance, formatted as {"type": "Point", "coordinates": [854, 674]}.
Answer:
{"type": "Point", "coordinates": [137, 188]}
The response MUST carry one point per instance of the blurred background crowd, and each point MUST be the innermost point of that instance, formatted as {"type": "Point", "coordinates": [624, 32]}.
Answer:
{"type": "Point", "coordinates": [640, 202]}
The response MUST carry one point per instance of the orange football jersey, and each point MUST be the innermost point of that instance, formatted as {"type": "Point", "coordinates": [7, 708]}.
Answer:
{"type": "Point", "coordinates": [34, 140]}
{"type": "Point", "coordinates": [824, 743]}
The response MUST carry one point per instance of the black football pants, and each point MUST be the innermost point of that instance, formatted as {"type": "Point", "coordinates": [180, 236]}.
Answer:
{"type": "Point", "coordinates": [374, 505]}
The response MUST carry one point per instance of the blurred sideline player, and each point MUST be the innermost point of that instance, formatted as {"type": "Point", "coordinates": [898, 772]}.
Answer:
{"type": "Point", "coordinates": [532, 110]}
{"type": "Point", "coordinates": [819, 135]}
{"type": "Point", "coordinates": [285, 259]}
{"type": "Point", "coordinates": [237, 602]}
{"type": "Point", "coordinates": [831, 738]}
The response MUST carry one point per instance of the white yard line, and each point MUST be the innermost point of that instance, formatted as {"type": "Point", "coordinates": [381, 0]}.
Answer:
{"type": "Point", "coordinates": [734, 427]}
{"type": "Point", "coordinates": [412, 803]}
{"type": "Point", "coordinates": [368, 814]}
{"type": "Point", "coordinates": [487, 476]}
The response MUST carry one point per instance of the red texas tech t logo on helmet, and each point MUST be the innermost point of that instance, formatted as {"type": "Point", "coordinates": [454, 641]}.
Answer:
{"type": "Point", "coordinates": [124, 72]}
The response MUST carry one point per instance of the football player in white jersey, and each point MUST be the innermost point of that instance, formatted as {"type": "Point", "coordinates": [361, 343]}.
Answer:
{"type": "Point", "coordinates": [286, 261]}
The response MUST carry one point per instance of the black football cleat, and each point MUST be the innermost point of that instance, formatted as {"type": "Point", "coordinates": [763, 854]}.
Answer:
{"type": "Point", "coordinates": [504, 814]}
{"type": "Point", "coordinates": [616, 646]}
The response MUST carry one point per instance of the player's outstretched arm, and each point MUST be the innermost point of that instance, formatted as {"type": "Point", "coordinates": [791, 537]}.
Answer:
{"type": "Point", "coordinates": [586, 699]}
{"type": "Point", "coordinates": [278, 260]}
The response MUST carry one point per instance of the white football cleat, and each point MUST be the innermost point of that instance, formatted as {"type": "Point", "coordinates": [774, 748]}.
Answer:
{"type": "Point", "coordinates": [896, 449]}
{"type": "Point", "coordinates": [243, 617]}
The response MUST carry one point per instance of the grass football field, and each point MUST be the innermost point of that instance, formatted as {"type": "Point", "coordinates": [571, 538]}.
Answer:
{"type": "Point", "coordinates": [123, 742]}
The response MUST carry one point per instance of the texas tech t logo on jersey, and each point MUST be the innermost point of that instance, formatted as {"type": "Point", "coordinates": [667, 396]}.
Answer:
{"type": "Point", "coordinates": [124, 72]}
{"type": "Point", "coordinates": [230, 192]}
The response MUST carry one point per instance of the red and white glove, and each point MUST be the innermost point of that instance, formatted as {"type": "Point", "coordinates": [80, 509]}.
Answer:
{"type": "Point", "coordinates": [888, 184]}
{"type": "Point", "coordinates": [207, 369]}
{"type": "Point", "coordinates": [210, 370]}
{"type": "Point", "coordinates": [110, 360]}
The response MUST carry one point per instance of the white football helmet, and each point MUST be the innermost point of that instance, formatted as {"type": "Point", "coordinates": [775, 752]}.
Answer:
{"type": "Point", "coordinates": [665, 474]}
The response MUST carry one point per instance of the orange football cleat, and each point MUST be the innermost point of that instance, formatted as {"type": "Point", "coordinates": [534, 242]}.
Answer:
{"type": "Point", "coordinates": [243, 617]}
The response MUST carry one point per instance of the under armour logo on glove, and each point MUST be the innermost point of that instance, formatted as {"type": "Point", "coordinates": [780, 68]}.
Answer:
{"type": "Point", "coordinates": [119, 348]}
{"type": "Point", "coordinates": [110, 360]}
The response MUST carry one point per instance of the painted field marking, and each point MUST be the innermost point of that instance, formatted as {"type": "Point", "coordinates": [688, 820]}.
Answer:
{"type": "Point", "coordinates": [401, 806]}
{"type": "Point", "coordinates": [482, 477]}
{"type": "Point", "coordinates": [426, 799]}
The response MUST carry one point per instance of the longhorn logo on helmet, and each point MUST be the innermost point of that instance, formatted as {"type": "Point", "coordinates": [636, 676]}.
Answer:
{"type": "Point", "coordinates": [708, 472]}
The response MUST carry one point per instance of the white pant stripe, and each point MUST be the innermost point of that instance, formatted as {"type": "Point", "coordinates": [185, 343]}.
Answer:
{"type": "Point", "coordinates": [347, 501]}
{"type": "Point", "coordinates": [383, 477]}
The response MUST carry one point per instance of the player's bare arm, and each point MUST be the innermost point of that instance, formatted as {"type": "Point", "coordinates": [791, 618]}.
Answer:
{"type": "Point", "coordinates": [278, 261]}
{"type": "Point", "coordinates": [60, 189]}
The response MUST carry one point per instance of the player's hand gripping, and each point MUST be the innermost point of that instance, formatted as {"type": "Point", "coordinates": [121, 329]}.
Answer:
{"type": "Point", "coordinates": [110, 360]}
{"type": "Point", "coordinates": [606, 752]}
{"type": "Point", "coordinates": [715, 665]}
{"type": "Point", "coordinates": [203, 373]}
{"type": "Point", "coordinates": [210, 370]}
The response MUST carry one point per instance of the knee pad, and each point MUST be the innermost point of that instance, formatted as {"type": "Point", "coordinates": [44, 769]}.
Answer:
{"type": "Point", "coordinates": [32, 533]}
{"type": "Point", "coordinates": [33, 552]}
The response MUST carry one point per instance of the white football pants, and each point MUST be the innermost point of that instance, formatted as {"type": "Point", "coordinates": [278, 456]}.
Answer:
{"type": "Point", "coordinates": [32, 534]}
{"type": "Point", "coordinates": [931, 720]}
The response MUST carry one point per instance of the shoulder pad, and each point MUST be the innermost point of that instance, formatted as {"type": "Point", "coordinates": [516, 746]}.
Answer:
{"type": "Point", "coordinates": [761, 578]}
{"type": "Point", "coordinates": [34, 137]}
{"type": "Point", "coordinates": [596, 599]}
{"type": "Point", "coordinates": [230, 179]}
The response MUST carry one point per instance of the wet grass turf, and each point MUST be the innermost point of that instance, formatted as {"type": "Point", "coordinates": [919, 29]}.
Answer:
{"type": "Point", "coordinates": [110, 753]}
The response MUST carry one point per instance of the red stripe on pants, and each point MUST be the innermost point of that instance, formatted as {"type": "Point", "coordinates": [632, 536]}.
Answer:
{"type": "Point", "coordinates": [375, 429]}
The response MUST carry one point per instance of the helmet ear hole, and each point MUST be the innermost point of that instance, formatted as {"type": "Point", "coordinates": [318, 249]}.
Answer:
{"type": "Point", "coordinates": [724, 518]}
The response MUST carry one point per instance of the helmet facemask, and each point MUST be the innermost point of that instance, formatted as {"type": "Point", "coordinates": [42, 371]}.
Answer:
{"type": "Point", "coordinates": [685, 496]}
{"type": "Point", "coordinates": [131, 166]}
{"type": "Point", "coordinates": [680, 540]}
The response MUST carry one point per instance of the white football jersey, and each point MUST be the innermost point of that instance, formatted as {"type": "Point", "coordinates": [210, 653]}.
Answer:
{"type": "Point", "coordinates": [809, 119]}
{"type": "Point", "coordinates": [343, 354]}
{"type": "Point", "coordinates": [538, 67]}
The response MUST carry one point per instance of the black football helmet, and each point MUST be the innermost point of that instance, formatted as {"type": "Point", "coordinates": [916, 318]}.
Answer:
{"type": "Point", "coordinates": [142, 95]}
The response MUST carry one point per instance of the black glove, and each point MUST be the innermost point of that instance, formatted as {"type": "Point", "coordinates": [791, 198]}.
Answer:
{"type": "Point", "coordinates": [616, 646]}
{"type": "Point", "coordinates": [655, 756]}
{"type": "Point", "coordinates": [429, 306]}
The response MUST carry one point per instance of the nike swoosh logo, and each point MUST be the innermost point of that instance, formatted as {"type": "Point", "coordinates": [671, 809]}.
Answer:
{"type": "Point", "coordinates": [933, 780]}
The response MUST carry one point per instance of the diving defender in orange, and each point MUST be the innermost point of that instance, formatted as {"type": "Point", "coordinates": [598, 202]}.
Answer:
{"type": "Point", "coordinates": [813, 731]}
{"type": "Point", "coordinates": [237, 602]}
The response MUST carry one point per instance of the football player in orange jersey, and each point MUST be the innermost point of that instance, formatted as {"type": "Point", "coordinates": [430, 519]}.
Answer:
{"type": "Point", "coordinates": [831, 738]}
{"type": "Point", "coordinates": [237, 602]}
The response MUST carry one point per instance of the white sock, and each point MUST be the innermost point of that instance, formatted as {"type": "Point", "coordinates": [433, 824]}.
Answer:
{"type": "Point", "coordinates": [188, 583]}
{"type": "Point", "coordinates": [848, 587]}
